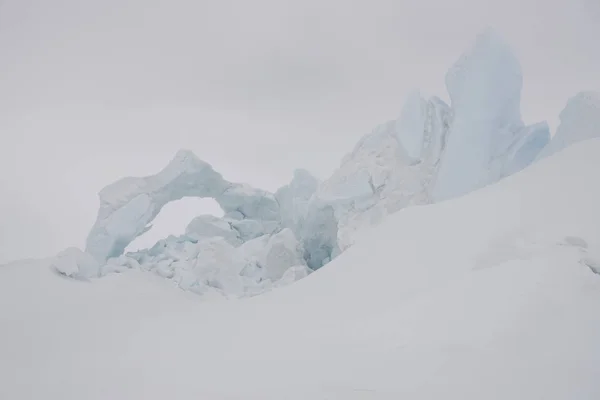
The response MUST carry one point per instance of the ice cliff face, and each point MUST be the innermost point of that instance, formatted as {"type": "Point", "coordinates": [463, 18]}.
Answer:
{"type": "Point", "coordinates": [380, 176]}
{"type": "Point", "coordinates": [580, 120]}
{"type": "Point", "coordinates": [432, 152]}
{"type": "Point", "coordinates": [486, 128]}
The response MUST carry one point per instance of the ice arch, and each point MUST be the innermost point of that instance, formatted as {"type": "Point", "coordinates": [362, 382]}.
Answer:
{"type": "Point", "coordinates": [128, 206]}
{"type": "Point", "coordinates": [173, 220]}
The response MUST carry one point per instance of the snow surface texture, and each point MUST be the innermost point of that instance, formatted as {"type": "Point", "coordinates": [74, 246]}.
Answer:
{"type": "Point", "coordinates": [432, 152]}
{"type": "Point", "coordinates": [492, 295]}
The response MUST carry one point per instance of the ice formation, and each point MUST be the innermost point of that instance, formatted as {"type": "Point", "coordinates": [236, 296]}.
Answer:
{"type": "Point", "coordinates": [432, 152]}
{"type": "Point", "coordinates": [379, 177]}
{"type": "Point", "coordinates": [246, 250]}
{"type": "Point", "coordinates": [214, 264]}
{"type": "Point", "coordinates": [580, 120]}
{"type": "Point", "coordinates": [128, 206]}
{"type": "Point", "coordinates": [74, 263]}
{"type": "Point", "coordinates": [494, 296]}
{"type": "Point", "coordinates": [485, 91]}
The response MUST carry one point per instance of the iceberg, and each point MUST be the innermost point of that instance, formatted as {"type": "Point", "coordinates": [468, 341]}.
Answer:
{"type": "Point", "coordinates": [485, 91]}
{"type": "Point", "coordinates": [128, 206]}
{"type": "Point", "coordinates": [432, 152]}
{"type": "Point", "coordinates": [248, 249]}
{"type": "Point", "coordinates": [580, 120]}
{"type": "Point", "coordinates": [380, 176]}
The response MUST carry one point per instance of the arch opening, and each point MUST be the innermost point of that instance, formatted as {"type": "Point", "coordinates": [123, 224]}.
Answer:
{"type": "Point", "coordinates": [173, 219]}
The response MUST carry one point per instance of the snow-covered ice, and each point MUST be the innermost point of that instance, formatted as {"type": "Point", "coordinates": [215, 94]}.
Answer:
{"type": "Point", "coordinates": [431, 152]}
{"type": "Point", "coordinates": [128, 206]}
{"type": "Point", "coordinates": [580, 120]}
{"type": "Point", "coordinates": [463, 262]}
{"type": "Point", "coordinates": [492, 295]}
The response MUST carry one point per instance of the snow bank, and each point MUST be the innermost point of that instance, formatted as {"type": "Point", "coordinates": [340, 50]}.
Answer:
{"type": "Point", "coordinates": [487, 296]}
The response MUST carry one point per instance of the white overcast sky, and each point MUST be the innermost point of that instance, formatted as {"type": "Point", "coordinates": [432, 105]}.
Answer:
{"type": "Point", "coordinates": [91, 90]}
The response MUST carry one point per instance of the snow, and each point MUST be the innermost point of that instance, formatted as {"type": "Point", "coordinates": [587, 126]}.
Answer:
{"type": "Point", "coordinates": [74, 263]}
{"type": "Point", "coordinates": [432, 152]}
{"type": "Point", "coordinates": [491, 295]}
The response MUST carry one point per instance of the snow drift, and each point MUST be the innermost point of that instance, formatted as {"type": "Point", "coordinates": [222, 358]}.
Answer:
{"type": "Point", "coordinates": [493, 295]}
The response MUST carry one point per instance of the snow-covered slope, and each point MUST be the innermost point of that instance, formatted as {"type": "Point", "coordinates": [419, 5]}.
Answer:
{"type": "Point", "coordinates": [489, 296]}
{"type": "Point", "coordinates": [430, 153]}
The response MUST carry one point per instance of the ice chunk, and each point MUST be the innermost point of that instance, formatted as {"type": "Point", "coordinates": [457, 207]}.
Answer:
{"type": "Point", "coordinates": [487, 80]}
{"type": "Point", "coordinates": [378, 177]}
{"type": "Point", "coordinates": [580, 120]}
{"type": "Point", "coordinates": [206, 226]}
{"type": "Point", "coordinates": [524, 151]}
{"type": "Point", "coordinates": [319, 234]}
{"type": "Point", "coordinates": [436, 128]}
{"type": "Point", "coordinates": [485, 89]}
{"type": "Point", "coordinates": [281, 252]}
{"type": "Point", "coordinates": [250, 202]}
{"type": "Point", "coordinates": [293, 198]}
{"type": "Point", "coordinates": [432, 152]}
{"type": "Point", "coordinates": [377, 162]}
{"type": "Point", "coordinates": [214, 265]}
{"type": "Point", "coordinates": [410, 128]}
{"type": "Point", "coordinates": [74, 263]}
{"type": "Point", "coordinates": [248, 229]}
{"type": "Point", "coordinates": [293, 274]}
{"type": "Point", "coordinates": [269, 256]}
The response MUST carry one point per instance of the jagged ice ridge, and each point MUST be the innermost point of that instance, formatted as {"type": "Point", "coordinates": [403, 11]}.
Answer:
{"type": "Point", "coordinates": [432, 152]}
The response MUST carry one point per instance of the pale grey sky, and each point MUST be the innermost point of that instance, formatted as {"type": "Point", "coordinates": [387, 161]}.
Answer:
{"type": "Point", "coordinates": [91, 91]}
